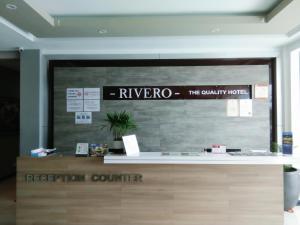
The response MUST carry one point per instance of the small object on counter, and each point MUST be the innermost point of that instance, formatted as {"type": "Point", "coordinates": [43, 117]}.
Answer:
{"type": "Point", "coordinates": [117, 151]}
{"type": "Point", "coordinates": [37, 153]}
{"type": "Point", "coordinates": [50, 151]}
{"type": "Point", "coordinates": [82, 149]}
{"type": "Point", "coordinates": [98, 149]}
{"type": "Point", "coordinates": [287, 142]}
{"type": "Point", "coordinates": [218, 148]}
{"type": "Point", "coordinates": [92, 149]}
{"type": "Point", "coordinates": [42, 152]}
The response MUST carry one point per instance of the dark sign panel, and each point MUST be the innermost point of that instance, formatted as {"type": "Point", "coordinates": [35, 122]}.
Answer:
{"type": "Point", "coordinates": [218, 92]}
{"type": "Point", "coordinates": [176, 92]}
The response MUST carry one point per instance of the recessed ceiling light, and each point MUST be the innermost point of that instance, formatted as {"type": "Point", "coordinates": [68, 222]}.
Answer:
{"type": "Point", "coordinates": [216, 30]}
{"type": "Point", "coordinates": [11, 6]}
{"type": "Point", "coordinates": [102, 31]}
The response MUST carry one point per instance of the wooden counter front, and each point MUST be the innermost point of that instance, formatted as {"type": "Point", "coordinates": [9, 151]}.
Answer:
{"type": "Point", "coordinates": [166, 194]}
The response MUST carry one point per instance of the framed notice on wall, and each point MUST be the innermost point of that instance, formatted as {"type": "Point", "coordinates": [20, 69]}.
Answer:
{"type": "Point", "coordinates": [261, 91]}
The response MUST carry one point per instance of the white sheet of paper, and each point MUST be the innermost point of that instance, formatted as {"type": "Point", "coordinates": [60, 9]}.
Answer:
{"type": "Point", "coordinates": [246, 108]}
{"type": "Point", "coordinates": [131, 145]}
{"type": "Point", "coordinates": [83, 118]}
{"type": "Point", "coordinates": [74, 93]}
{"type": "Point", "coordinates": [233, 108]}
{"type": "Point", "coordinates": [92, 105]}
{"type": "Point", "coordinates": [261, 91]}
{"type": "Point", "coordinates": [91, 93]}
{"type": "Point", "coordinates": [74, 105]}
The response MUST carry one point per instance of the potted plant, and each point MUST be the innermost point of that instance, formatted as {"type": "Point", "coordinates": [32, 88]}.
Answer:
{"type": "Point", "coordinates": [275, 148]}
{"type": "Point", "coordinates": [291, 187]}
{"type": "Point", "coordinates": [119, 123]}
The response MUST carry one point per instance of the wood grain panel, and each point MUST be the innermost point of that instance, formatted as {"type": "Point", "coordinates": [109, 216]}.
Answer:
{"type": "Point", "coordinates": [169, 194]}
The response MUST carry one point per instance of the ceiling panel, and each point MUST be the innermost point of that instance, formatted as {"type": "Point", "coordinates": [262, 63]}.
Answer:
{"type": "Point", "coordinates": [152, 7]}
{"type": "Point", "coordinates": [149, 18]}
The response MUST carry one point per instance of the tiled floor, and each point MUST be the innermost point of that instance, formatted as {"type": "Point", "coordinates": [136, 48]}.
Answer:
{"type": "Point", "coordinates": [7, 202]}
{"type": "Point", "coordinates": [292, 218]}
{"type": "Point", "coordinates": [8, 205]}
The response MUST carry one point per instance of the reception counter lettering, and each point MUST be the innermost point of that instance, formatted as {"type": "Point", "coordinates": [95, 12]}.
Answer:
{"type": "Point", "coordinates": [129, 178]}
{"type": "Point", "coordinates": [54, 178]}
{"type": "Point", "coordinates": [177, 194]}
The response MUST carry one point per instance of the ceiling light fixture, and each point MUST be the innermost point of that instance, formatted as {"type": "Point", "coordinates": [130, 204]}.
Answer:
{"type": "Point", "coordinates": [102, 31]}
{"type": "Point", "coordinates": [11, 6]}
{"type": "Point", "coordinates": [216, 30]}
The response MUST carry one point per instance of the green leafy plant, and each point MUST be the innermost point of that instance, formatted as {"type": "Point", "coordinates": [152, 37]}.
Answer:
{"type": "Point", "coordinates": [120, 123]}
{"type": "Point", "coordinates": [275, 148]}
{"type": "Point", "coordinates": [289, 168]}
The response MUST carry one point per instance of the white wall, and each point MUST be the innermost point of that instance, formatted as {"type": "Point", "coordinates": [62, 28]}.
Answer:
{"type": "Point", "coordinates": [286, 83]}
{"type": "Point", "coordinates": [29, 100]}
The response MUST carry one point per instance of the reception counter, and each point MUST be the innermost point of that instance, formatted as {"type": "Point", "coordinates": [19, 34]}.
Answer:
{"type": "Point", "coordinates": [203, 158]}
{"type": "Point", "coordinates": [151, 190]}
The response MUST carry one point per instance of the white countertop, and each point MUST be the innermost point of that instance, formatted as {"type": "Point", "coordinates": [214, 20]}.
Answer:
{"type": "Point", "coordinates": [202, 158]}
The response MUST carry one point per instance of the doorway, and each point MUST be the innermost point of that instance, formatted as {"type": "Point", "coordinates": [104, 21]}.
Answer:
{"type": "Point", "coordinates": [9, 115]}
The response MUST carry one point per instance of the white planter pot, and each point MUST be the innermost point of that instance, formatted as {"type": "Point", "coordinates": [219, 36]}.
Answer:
{"type": "Point", "coordinates": [291, 189]}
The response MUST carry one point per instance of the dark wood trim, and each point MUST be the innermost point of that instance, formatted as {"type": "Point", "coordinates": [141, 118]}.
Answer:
{"type": "Point", "coordinates": [271, 62]}
{"type": "Point", "coordinates": [273, 108]}
{"type": "Point", "coordinates": [50, 139]}
{"type": "Point", "coordinates": [159, 62]}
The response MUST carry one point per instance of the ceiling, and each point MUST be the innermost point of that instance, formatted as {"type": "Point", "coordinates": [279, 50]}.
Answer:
{"type": "Point", "coordinates": [151, 7]}
{"type": "Point", "coordinates": [34, 21]}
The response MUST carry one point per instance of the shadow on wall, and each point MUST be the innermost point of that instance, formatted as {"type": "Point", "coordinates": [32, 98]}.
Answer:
{"type": "Point", "coordinates": [9, 115]}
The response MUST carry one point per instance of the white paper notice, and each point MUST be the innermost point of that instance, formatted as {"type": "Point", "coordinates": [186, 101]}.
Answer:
{"type": "Point", "coordinates": [91, 93]}
{"type": "Point", "coordinates": [131, 145]}
{"type": "Point", "coordinates": [83, 118]}
{"type": "Point", "coordinates": [233, 108]}
{"type": "Point", "coordinates": [74, 105]}
{"type": "Point", "coordinates": [74, 93]}
{"type": "Point", "coordinates": [92, 105]}
{"type": "Point", "coordinates": [245, 107]}
{"type": "Point", "coordinates": [261, 91]}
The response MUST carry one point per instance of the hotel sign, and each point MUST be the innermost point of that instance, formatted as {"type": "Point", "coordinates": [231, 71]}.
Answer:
{"type": "Point", "coordinates": [177, 92]}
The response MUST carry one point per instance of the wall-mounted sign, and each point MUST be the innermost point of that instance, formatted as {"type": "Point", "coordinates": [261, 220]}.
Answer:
{"type": "Point", "coordinates": [177, 92]}
{"type": "Point", "coordinates": [74, 93]}
{"type": "Point", "coordinates": [91, 105]}
{"type": "Point", "coordinates": [83, 99]}
{"type": "Point", "coordinates": [83, 117]}
{"type": "Point", "coordinates": [233, 108]}
{"type": "Point", "coordinates": [91, 93]}
{"type": "Point", "coordinates": [246, 108]}
{"type": "Point", "coordinates": [261, 91]}
{"type": "Point", "coordinates": [74, 105]}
